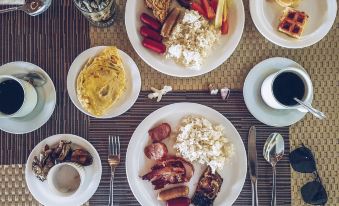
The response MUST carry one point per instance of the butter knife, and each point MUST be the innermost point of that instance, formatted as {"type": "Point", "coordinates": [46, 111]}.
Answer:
{"type": "Point", "coordinates": [252, 163]}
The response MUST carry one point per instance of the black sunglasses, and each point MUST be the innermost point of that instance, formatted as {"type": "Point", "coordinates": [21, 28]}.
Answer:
{"type": "Point", "coordinates": [302, 160]}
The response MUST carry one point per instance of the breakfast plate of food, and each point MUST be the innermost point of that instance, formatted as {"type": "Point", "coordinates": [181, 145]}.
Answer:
{"type": "Point", "coordinates": [103, 82]}
{"type": "Point", "coordinates": [63, 169]}
{"type": "Point", "coordinates": [186, 153]}
{"type": "Point", "coordinates": [293, 23]}
{"type": "Point", "coordinates": [178, 37]}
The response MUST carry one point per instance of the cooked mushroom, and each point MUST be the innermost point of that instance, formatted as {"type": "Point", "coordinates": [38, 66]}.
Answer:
{"type": "Point", "coordinates": [82, 157]}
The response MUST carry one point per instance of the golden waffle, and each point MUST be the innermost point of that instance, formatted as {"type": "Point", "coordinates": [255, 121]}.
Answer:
{"type": "Point", "coordinates": [293, 22]}
{"type": "Point", "coordinates": [160, 8]}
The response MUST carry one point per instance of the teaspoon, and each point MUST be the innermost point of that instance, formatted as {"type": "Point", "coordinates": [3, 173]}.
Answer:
{"type": "Point", "coordinates": [34, 78]}
{"type": "Point", "coordinates": [273, 152]}
{"type": "Point", "coordinates": [31, 7]}
{"type": "Point", "coordinates": [309, 108]}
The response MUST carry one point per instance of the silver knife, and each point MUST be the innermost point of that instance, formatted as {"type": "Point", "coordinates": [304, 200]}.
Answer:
{"type": "Point", "coordinates": [252, 163]}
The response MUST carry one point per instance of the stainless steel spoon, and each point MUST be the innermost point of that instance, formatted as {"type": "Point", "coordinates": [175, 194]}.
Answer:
{"type": "Point", "coordinates": [309, 108]}
{"type": "Point", "coordinates": [31, 7]}
{"type": "Point", "coordinates": [273, 152]}
{"type": "Point", "coordinates": [35, 78]}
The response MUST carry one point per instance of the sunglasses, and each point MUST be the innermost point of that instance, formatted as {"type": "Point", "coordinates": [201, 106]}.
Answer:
{"type": "Point", "coordinates": [302, 160]}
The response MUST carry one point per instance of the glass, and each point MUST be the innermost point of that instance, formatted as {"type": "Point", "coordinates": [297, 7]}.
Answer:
{"type": "Point", "coordinates": [100, 13]}
{"type": "Point", "coordinates": [302, 160]}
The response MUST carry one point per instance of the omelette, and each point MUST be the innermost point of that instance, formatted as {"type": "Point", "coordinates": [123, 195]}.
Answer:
{"type": "Point", "coordinates": [101, 82]}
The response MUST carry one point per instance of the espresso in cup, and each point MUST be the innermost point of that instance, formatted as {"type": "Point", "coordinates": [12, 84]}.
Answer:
{"type": "Point", "coordinates": [11, 96]}
{"type": "Point", "coordinates": [287, 86]}
{"type": "Point", "coordinates": [18, 98]}
{"type": "Point", "coordinates": [280, 88]}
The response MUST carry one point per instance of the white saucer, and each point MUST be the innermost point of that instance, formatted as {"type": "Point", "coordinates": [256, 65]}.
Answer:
{"type": "Point", "coordinates": [40, 190]}
{"type": "Point", "coordinates": [44, 108]}
{"type": "Point", "coordinates": [133, 85]}
{"type": "Point", "coordinates": [252, 95]}
{"type": "Point", "coordinates": [266, 15]}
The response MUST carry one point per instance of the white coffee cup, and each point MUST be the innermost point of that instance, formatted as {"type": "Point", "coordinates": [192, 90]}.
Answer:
{"type": "Point", "coordinates": [30, 97]}
{"type": "Point", "coordinates": [268, 95]}
{"type": "Point", "coordinates": [66, 179]}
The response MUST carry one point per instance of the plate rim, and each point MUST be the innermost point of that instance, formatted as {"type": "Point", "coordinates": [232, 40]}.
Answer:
{"type": "Point", "coordinates": [238, 33]}
{"type": "Point", "coordinates": [54, 96]}
{"type": "Point", "coordinates": [59, 137]}
{"type": "Point", "coordinates": [260, 26]}
{"type": "Point", "coordinates": [149, 118]}
{"type": "Point", "coordinates": [133, 98]}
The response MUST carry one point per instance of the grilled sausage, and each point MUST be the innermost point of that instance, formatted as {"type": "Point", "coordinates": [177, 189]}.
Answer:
{"type": "Point", "coordinates": [160, 132]}
{"type": "Point", "coordinates": [170, 22]}
{"type": "Point", "coordinates": [154, 45]}
{"type": "Point", "coordinates": [172, 193]}
{"type": "Point", "coordinates": [150, 33]}
{"type": "Point", "coordinates": [156, 151]}
{"type": "Point", "coordinates": [150, 21]}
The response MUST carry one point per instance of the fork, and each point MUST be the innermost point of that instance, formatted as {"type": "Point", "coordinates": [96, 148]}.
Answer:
{"type": "Point", "coordinates": [113, 161]}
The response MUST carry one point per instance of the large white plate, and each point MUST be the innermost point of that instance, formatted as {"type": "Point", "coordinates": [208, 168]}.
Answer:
{"type": "Point", "coordinates": [45, 105]}
{"type": "Point", "coordinates": [225, 46]}
{"type": "Point", "coordinates": [266, 15]}
{"type": "Point", "coordinates": [252, 94]}
{"type": "Point", "coordinates": [128, 98]}
{"type": "Point", "coordinates": [41, 191]}
{"type": "Point", "coordinates": [234, 172]}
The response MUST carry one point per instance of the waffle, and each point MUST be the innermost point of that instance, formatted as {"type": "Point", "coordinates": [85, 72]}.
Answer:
{"type": "Point", "coordinates": [293, 22]}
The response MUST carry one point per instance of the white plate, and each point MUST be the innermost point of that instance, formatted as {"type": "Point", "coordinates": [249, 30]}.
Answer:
{"type": "Point", "coordinates": [266, 16]}
{"type": "Point", "coordinates": [234, 172]}
{"type": "Point", "coordinates": [225, 46]}
{"type": "Point", "coordinates": [127, 99]}
{"type": "Point", "coordinates": [41, 191]}
{"type": "Point", "coordinates": [45, 105]}
{"type": "Point", "coordinates": [252, 94]}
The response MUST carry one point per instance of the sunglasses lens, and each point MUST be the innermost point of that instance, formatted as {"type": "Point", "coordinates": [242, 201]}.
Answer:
{"type": "Point", "coordinates": [302, 160]}
{"type": "Point", "coordinates": [314, 193]}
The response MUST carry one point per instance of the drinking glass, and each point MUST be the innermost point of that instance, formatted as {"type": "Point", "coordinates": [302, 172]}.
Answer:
{"type": "Point", "coordinates": [100, 13]}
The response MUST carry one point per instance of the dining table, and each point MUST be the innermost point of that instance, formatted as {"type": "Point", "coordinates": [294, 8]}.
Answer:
{"type": "Point", "coordinates": [55, 38]}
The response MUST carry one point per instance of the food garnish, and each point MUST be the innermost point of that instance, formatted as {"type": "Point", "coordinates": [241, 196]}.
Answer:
{"type": "Point", "coordinates": [200, 141]}
{"type": "Point", "coordinates": [170, 22]}
{"type": "Point", "coordinates": [101, 82]}
{"type": "Point", "coordinates": [207, 189]}
{"type": "Point", "coordinates": [225, 93]}
{"type": "Point", "coordinates": [150, 21]}
{"type": "Point", "coordinates": [147, 32]}
{"type": "Point", "coordinates": [160, 132]}
{"type": "Point", "coordinates": [156, 151]}
{"type": "Point", "coordinates": [197, 7]}
{"type": "Point", "coordinates": [159, 93]}
{"type": "Point", "coordinates": [171, 170]}
{"type": "Point", "coordinates": [208, 9]}
{"type": "Point", "coordinates": [160, 8]}
{"type": "Point", "coordinates": [62, 153]}
{"type": "Point", "coordinates": [175, 192]}
{"type": "Point", "coordinates": [180, 201]}
{"type": "Point", "coordinates": [293, 22]}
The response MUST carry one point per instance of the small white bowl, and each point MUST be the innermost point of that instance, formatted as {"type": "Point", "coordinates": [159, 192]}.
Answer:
{"type": "Point", "coordinates": [66, 179]}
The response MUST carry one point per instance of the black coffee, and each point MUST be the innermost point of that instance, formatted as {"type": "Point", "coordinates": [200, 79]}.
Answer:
{"type": "Point", "coordinates": [11, 96]}
{"type": "Point", "coordinates": [287, 86]}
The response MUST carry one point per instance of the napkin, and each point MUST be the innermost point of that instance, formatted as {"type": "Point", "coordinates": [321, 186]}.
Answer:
{"type": "Point", "coordinates": [11, 2]}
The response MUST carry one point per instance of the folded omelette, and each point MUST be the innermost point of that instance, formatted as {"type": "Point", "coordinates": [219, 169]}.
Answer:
{"type": "Point", "coordinates": [101, 82]}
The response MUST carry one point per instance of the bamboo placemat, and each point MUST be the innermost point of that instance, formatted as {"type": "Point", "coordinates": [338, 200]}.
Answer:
{"type": "Point", "coordinates": [99, 129]}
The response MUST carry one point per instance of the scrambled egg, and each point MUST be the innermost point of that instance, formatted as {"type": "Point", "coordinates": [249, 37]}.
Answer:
{"type": "Point", "coordinates": [200, 141]}
{"type": "Point", "coordinates": [101, 82]}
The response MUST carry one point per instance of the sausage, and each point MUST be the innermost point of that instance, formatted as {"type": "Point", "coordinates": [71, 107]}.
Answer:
{"type": "Point", "coordinates": [170, 22]}
{"type": "Point", "coordinates": [150, 21]}
{"type": "Point", "coordinates": [160, 132]}
{"type": "Point", "coordinates": [150, 33]}
{"type": "Point", "coordinates": [172, 193]}
{"type": "Point", "coordinates": [180, 201]}
{"type": "Point", "coordinates": [156, 151]}
{"type": "Point", "coordinates": [154, 45]}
